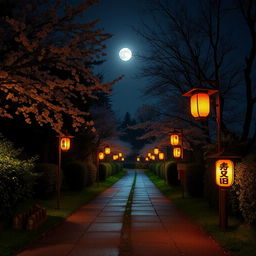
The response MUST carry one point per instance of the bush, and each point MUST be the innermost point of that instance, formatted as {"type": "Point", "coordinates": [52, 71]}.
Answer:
{"type": "Point", "coordinates": [45, 185]}
{"type": "Point", "coordinates": [245, 189]}
{"type": "Point", "coordinates": [92, 172]}
{"type": "Point", "coordinates": [16, 179]}
{"type": "Point", "coordinates": [105, 170]}
{"type": "Point", "coordinates": [194, 179]}
{"type": "Point", "coordinates": [171, 173]}
{"type": "Point", "coordinates": [211, 190]}
{"type": "Point", "coordinates": [75, 175]}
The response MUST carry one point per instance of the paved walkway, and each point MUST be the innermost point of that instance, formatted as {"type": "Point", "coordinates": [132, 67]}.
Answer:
{"type": "Point", "coordinates": [156, 227]}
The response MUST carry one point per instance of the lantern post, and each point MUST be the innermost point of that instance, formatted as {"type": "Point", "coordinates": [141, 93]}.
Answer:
{"type": "Point", "coordinates": [196, 112]}
{"type": "Point", "coordinates": [63, 145]}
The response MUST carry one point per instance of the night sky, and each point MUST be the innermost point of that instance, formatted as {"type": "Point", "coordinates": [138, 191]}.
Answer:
{"type": "Point", "coordinates": [117, 18]}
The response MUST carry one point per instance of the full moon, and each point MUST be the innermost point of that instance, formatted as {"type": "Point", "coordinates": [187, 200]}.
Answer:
{"type": "Point", "coordinates": [125, 54]}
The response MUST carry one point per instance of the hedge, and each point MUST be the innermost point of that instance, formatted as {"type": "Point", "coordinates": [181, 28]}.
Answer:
{"type": "Point", "coordinates": [45, 184]}
{"type": "Point", "coordinates": [75, 175]}
{"type": "Point", "coordinates": [194, 179]}
{"type": "Point", "coordinates": [16, 179]}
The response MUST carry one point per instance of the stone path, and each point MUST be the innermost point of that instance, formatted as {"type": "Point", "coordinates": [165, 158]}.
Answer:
{"type": "Point", "coordinates": [155, 227]}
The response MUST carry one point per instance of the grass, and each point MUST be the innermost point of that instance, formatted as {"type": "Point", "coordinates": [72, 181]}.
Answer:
{"type": "Point", "coordinates": [12, 240]}
{"type": "Point", "coordinates": [239, 238]}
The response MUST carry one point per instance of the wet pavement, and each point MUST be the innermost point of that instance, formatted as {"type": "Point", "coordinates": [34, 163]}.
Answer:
{"type": "Point", "coordinates": [155, 227]}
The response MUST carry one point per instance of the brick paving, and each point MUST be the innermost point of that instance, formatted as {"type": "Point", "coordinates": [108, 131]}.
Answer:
{"type": "Point", "coordinates": [156, 227]}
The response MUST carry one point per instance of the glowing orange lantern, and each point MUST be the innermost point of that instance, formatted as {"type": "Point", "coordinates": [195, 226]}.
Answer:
{"type": "Point", "coordinates": [107, 150]}
{"type": "Point", "coordinates": [156, 151]}
{"type": "Point", "coordinates": [177, 152]}
{"type": "Point", "coordinates": [200, 102]}
{"type": "Point", "coordinates": [120, 154]}
{"type": "Point", "coordinates": [161, 156]}
{"type": "Point", "coordinates": [122, 159]}
{"type": "Point", "coordinates": [101, 155]}
{"type": "Point", "coordinates": [147, 159]}
{"type": "Point", "coordinates": [65, 143]}
{"type": "Point", "coordinates": [200, 105]}
{"type": "Point", "coordinates": [153, 157]}
{"type": "Point", "coordinates": [138, 159]}
{"type": "Point", "coordinates": [174, 139]}
{"type": "Point", "coordinates": [224, 172]}
{"type": "Point", "coordinates": [149, 154]}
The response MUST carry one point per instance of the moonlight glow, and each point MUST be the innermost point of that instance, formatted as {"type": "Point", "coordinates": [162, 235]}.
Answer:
{"type": "Point", "coordinates": [125, 54]}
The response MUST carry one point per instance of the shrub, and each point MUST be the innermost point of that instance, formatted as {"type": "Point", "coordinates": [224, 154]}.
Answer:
{"type": "Point", "coordinates": [171, 173]}
{"type": "Point", "coordinates": [92, 172]}
{"type": "Point", "coordinates": [45, 185]}
{"type": "Point", "coordinates": [75, 175]}
{"type": "Point", "coordinates": [211, 190]}
{"type": "Point", "coordinates": [104, 171]}
{"type": "Point", "coordinates": [194, 179]}
{"type": "Point", "coordinates": [16, 179]}
{"type": "Point", "coordinates": [245, 180]}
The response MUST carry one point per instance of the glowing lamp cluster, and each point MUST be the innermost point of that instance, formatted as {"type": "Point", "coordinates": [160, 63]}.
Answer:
{"type": "Point", "coordinates": [174, 139]}
{"type": "Point", "coordinates": [65, 143]}
{"type": "Point", "coordinates": [224, 172]}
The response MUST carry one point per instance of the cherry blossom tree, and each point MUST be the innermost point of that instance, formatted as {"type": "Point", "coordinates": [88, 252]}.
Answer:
{"type": "Point", "coordinates": [46, 64]}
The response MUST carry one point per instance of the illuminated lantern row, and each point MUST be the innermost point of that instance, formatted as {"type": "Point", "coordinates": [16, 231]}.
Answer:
{"type": "Point", "coordinates": [156, 151]}
{"type": "Point", "coordinates": [224, 173]}
{"type": "Point", "coordinates": [101, 155]}
{"type": "Point", "coordinates": [161, 156]}
{"type": "Point", "coordinates": [177, 152]}
{"type": "Point", "coordinates": [174, 139]}
{"type": "Point", "coordinates": [65, 143]}
{"type": "Point", "coordinates": [107, 150]}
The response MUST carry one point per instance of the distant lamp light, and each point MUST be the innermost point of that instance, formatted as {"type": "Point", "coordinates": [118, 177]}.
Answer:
{"type": "Point", "coordinates": [120, 154]}
{"type": "Point", "coordinates": [122, 159]}
{"type": "Point", "coordinates": [138, 159]}
{"type": "Point", "coordinates": [65, 143]}
{"type": "Point", "coordinates": [107, 150]}
{"type": "Point", "coordinates": [101, 155]}
{"type": "Point", "coordinates": [156, 151]}
{"type": "Point", "coordinates": [174, 139]}
{"type": "Point", "coordinates": [147, 159]}
{"type": "Point", "coordinates": [149, 155]}
{"type": "Point", "coordinates": [153, 157]}
{"type": "Point", "coordinates": [161, 156]}
{"type": "Point", "coordinates": [177, 152]}
{"type": "Point", "coordinates": [224, 172]}
{"type": "Point", "coordinates": [115, 157]}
